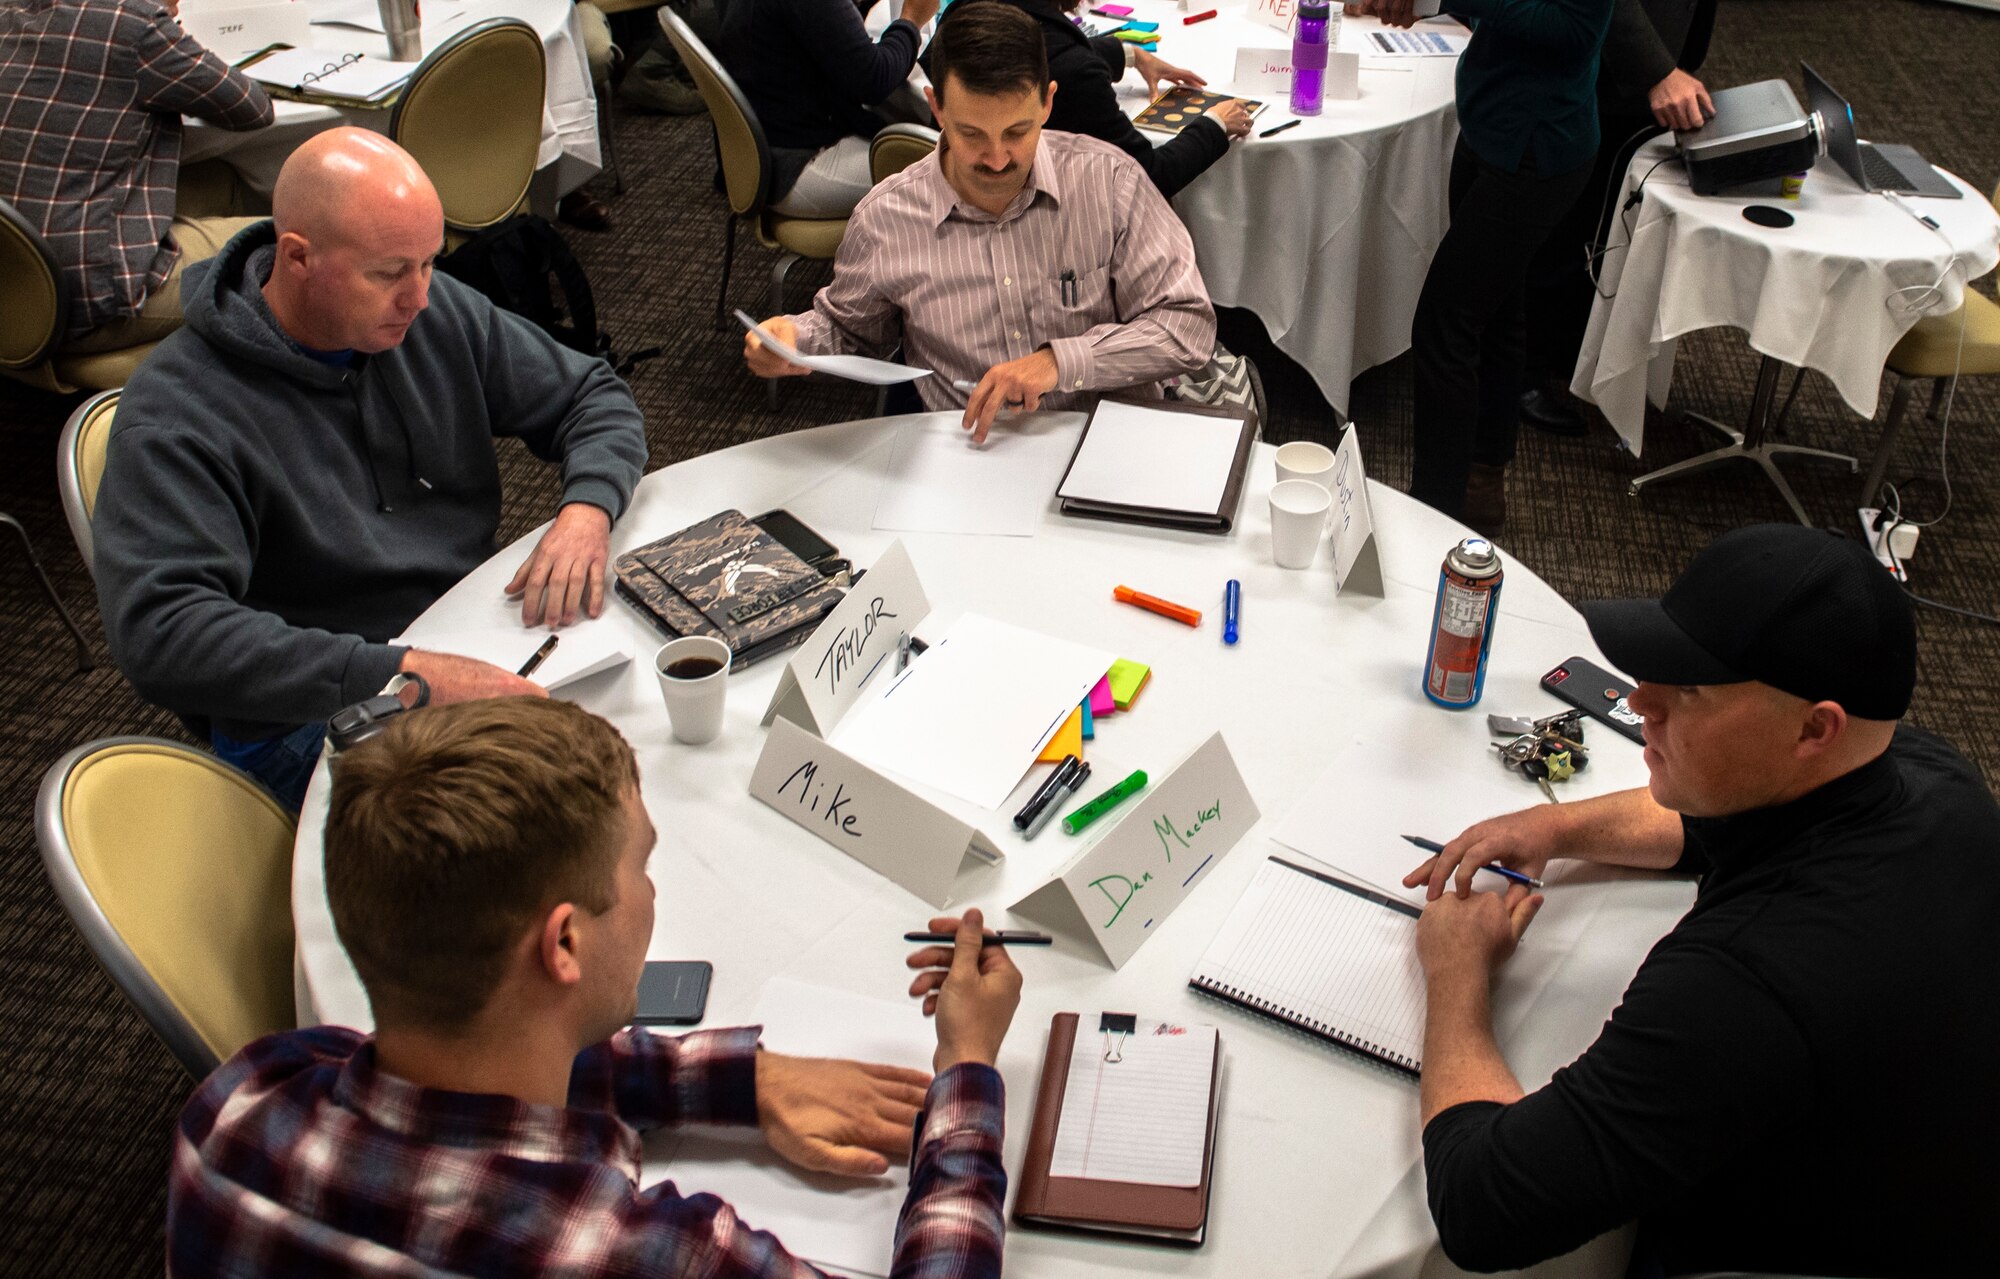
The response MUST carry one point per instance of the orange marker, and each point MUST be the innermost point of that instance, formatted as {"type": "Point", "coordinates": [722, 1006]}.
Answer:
{"type": "Point", "coordinates": [1153, 604]}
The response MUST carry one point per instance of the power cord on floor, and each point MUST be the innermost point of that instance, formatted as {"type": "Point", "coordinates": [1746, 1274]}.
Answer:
{"type": "Point", "coordinates": [1886, 524]}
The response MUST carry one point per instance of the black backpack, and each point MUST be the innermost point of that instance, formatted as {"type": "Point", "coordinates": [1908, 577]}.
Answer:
{"type": "Point", "coordinates": [525, 266]}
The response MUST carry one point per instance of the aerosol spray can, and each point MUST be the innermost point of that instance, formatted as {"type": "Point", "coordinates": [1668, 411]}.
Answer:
{"type": "Point", "coordinates": [1462, 625]}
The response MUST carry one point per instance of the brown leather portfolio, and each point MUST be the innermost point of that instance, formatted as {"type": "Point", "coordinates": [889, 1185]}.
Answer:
{"type": "Point", "coordinates": [1167, 1214]}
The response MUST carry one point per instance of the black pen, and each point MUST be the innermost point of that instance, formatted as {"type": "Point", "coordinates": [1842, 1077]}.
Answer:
{"type": "Point", "coordinates": [1280, 128]}
{"type": "Point", "coordinates": [1045, 792]}
{"type": "Point", "coordinates": [1068, 287]}
{"type": "Point", "coordinates": [541, 655]}
{"type": "Point", "coordinates": [1002, 938]}
{"type": "Point", "coordinates": [1432, 846]}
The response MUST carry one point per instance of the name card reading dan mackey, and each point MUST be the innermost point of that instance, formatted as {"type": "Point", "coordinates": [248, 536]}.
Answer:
{"type": "Point", "coordinates": [1357, 560]}
{"type": "Point", "coordinates": [865, 815]}
{"type": "Point", "coordinates": [1173, 833]}
{"type": "Point", "coordinates": [861, 634]}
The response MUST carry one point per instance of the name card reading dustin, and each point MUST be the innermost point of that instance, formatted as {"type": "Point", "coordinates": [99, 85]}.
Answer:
{"type": "Point", "coordinates": [865, 815]}
{"type": "Point", "coordinates": [858, 638]}
{"type": "Point", "coordinates": [1121, 888]}
{"type": "Point", "coordinates": [1357, 560]}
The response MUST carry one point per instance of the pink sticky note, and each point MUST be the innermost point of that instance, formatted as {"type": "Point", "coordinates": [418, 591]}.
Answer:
{"type": "Point", "coordinates": [1100, 698]}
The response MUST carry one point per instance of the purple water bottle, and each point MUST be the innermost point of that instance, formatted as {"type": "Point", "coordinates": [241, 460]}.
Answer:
{"type": "Point", "coordinates": [1309, 41]}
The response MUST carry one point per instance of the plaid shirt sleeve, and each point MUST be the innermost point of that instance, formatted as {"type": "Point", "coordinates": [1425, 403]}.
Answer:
{"type": "Point", "coordinates": [174, 72]}
{"type": "Point", "coordinates": [654, 1081]}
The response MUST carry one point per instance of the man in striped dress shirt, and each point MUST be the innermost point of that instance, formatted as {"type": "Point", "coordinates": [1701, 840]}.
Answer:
{"type": "Point", "coordinates": [1037, 268]}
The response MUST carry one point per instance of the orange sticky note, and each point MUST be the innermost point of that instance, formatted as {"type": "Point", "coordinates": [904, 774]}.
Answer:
{"type": "Point", "coordinates": [1067, 741]}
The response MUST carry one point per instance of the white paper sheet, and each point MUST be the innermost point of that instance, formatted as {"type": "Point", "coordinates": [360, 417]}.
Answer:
{"type": "Point", "coordinates": [845, 1224]}
{"type": "Point", "coordinates": [366, 15]}
{"type": "Point", "coordinates": [1140, 1119]}
{"type": "Point", "coordinates": [1139, 456]}
{"type": "Point", "coordinates": [580, 652]}
{"type": "Point", "coordinates": [855, 368]}
{"type": "Point", "coordinates": [970, 715]}
{"type": "Point", "coordinates": [939, 482]}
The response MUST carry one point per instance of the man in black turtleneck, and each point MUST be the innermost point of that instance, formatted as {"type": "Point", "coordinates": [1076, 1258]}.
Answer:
{"type": "Point", "coordinates": [1800, 1076]}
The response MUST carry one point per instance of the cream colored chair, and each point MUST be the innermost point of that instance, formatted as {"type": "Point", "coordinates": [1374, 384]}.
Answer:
{"type": "Point", "coordinates": [34, 316]}
{"type": "Point", "coordinates": [176, 868]}
{"type": "Point", "coordinates": [746, 175]}
{"type": "Point", "coordinates": [472, 117]}
{"type": "Point", "coordinates": [897, 147]}
{"type": "Point", "coordinates": [80, 465]}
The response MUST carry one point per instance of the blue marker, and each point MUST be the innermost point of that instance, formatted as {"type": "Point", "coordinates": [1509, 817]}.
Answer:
{"type": "Point", "coordinates": [1232, 610]}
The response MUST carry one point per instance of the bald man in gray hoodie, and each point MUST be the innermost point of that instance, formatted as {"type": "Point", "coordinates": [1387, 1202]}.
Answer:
{"type": "Point", "coordinates": [308, 465]}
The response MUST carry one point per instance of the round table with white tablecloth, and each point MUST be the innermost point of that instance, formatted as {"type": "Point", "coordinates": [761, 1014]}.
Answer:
{"type": "Point", "coordinates": [1318, 1161]}
{"type": "Point", "coordinates": [569, 111]}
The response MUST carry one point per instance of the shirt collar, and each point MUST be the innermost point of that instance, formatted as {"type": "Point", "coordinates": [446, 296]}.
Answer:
{"type": "Point", "coordinates": [1761, 836]}
{"type": "Point", "coordinates": [484, 1121]}
{"type": "Point", "coordinates": [1044, 179]}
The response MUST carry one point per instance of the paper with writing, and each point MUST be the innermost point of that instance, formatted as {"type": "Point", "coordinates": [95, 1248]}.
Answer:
{"type": "Point", "coordinates": [857, 640]}
{"type": "Point", "coordinates": [1276, 14]}
{"type": "Point", "coordinates": [1142, 1118]}
{"type": "Point", "coordinates": [855, 368]}
{"type": "Point", "coordinates": [1357, 560]}
{"type": "Point", "coordinates": [1261, 70]}
{"type": "Point", "coordinates": [1120, 888]}
{"type": "Point", "coordinates": [938, 481]}
{"type": "Point", "coordinates": [580, 652]}
{"type": "Point", "coordinates": [1133, 455]}
{"type": "Point", "coordinates": [880, 824]}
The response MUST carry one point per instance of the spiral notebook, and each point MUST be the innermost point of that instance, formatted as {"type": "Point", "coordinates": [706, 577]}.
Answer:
{"type": "Point", "coordinates": [329, 73]}
{"type": "Point", "coordinates": [1325, 956]}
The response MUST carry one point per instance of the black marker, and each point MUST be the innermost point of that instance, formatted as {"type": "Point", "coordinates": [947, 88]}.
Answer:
{"type": "Point", "coordinates": [1280, 128]}
{"type": "Point", "coordinates": [541, 654]}
{"type": "Point", "coordinates": [1045, 792]}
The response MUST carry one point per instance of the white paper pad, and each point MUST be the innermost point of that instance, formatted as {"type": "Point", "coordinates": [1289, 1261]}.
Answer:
{"type": "Point", "coordinates": [580, 652]}
{"type": "Point", "coordinates": [1142, 1118]}
{"type": "Point", "coordinates": [842, 1223]}
{"type": "Point", "coordinates": [332, 73]}
{"type": "Point", "coordinates": [969, 716]}
{"type": "Point", "coordinates": [1137, 456]}
{"type": "Point", "coordinates": [939, 482]}
{"type": "Point", "coordinates": [855, 368]}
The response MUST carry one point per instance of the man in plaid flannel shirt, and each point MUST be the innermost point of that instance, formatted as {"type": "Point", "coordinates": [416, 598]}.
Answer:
{"type": "Point", "coordinates": [486, 870]}
{"type": "Point", "coordinates": [91, 98]}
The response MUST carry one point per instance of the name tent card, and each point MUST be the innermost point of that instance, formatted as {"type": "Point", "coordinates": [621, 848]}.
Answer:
{"type": "Point", "coordinates": [1276, 14]}
{"type": "Point", "coordinates": [1262, 70]}
{"type": "Point", "coordinates": [1119, 890]}
{"type": "Point", "coordinates": [864, 814]}
{"type": "Point", "coordinates": [1357, 560]}
{"type": "Point", "coordinates": [825, 676]}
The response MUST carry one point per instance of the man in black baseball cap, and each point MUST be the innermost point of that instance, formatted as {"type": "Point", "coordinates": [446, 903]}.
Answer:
{"type": "Point", "coordinates": [1799, 1077]}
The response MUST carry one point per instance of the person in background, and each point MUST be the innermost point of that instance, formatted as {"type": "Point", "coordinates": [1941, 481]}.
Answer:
{"type": "Point", "coordinates": [581, 208]}
{"type": "Point", "coordinates": [1085, 69]}
{"type": "Point", "coordinates": [307, 466]}
{"type": "Point", "coordinates": [1645, 82]}
{"type": "Point", "coordinates": [1527, 119]}
{"type": "Point", "coordinates": [91, 98]}
{"type": "Point", "coordinates": [486, 869]}
{"type": "Point", "coordinates": [821, 89]}
{"type": "Point", "coordinates": [1799, 1079]}
{"type": "Point", "coordinates": [1038, 269]}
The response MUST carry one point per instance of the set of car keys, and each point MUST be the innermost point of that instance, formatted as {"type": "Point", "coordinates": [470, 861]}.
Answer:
{"type": "Point", "coordinates": [1543, 750]}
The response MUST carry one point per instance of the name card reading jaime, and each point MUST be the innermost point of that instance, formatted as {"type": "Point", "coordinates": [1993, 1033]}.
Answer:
{"type": "Point", "coordinates": [858, 638]}
{"type": "Point", "coordinates": [865, 815]}
{"type": "Point", "coordinates": [1120, 889]}
{"type": "Point", "coordinates": [1262, 70]}
{"type": "Point", "coordinates": [1357, 560]}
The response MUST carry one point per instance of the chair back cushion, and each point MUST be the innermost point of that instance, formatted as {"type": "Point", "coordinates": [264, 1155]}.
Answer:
{"type": "Point", "coordinates": [80, 464]}
{"type": "Point", "coordinates": [746, 157]}
{"type": "Point", "coordinates": [34, 304]}
{"type": "Point", "coordinates": [177, 869]}
{"type": "Point", "coordinates": [897, 147]}
{"type": "Point", "coordinates": [472, 117]}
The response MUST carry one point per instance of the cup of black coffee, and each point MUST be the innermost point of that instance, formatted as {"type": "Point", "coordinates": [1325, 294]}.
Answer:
{"type": "Point", "coordinates": [694, 676]}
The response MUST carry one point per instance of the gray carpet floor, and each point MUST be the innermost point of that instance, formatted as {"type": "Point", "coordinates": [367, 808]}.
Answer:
{"type": "Point", "coordinates": [88, 1097]}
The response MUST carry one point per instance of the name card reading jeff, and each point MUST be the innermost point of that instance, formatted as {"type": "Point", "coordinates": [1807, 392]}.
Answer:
{"type": "Point", "coordinates": [855, 641]}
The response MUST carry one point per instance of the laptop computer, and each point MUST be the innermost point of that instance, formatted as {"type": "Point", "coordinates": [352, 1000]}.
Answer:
{"type": "Point", "coordinates": [1886, 167]}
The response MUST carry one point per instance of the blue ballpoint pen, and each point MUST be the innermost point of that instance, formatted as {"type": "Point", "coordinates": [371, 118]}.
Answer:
{"type": "Point", "coordinates": [1232, 610]}
{"type": "Point", "coordinates": [1505, 872]}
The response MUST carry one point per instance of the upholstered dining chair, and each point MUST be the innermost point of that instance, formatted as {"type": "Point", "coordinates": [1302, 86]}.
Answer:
{"type": "Point", "coordinates": [472, 116]}
{"type": "Point", "coordinates": [176, 868]}
{"type": "Point", "coordinates": [897, 147]}
{"type": "Point", "coordinates": [34, 316]}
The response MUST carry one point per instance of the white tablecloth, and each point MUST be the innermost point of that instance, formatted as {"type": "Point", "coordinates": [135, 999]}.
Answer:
{"type": "Point", "coordinates": [1815, 294]}
{"type": "Point", "coordinates": [1327, 230]}
{"type": "Point", "coordinates": [1318, 1159]}
{"type": "Point", "coordinates": [569, 112]}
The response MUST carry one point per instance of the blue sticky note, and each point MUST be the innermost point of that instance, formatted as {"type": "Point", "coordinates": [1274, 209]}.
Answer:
{"type": "Point", "coordinates": [1136, 25]}
{"type": "Point", "coordinates": [1089, 721]}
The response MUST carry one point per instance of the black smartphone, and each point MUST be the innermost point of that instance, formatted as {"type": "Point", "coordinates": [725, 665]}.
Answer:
{"type": "Point", "coordinates": [673, 992]}
{"type": "Point", "coordinates": [793, 534]}
{"type": "Point", "coordinates": [1597, 693]}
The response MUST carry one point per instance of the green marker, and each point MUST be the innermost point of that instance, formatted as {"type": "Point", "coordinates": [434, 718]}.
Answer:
{"type": "Point", "coordinates": [1104, 803]}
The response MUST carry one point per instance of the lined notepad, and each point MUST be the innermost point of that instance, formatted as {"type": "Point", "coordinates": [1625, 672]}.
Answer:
{"type": "Point", "coordinates": [1332, 958]}
{"type": "Point", "coordinates": [1143, 1117]}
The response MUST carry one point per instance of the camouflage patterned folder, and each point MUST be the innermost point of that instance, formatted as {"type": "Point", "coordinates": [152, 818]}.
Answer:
{"type": "Point", "coordinates": [728, 578]}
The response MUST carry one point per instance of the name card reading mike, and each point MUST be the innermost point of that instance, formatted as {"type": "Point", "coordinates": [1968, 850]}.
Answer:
{"type": "Point", "coordinates": [1357, 560]}
{"type": "Point", "coordinates": [865, 815]}
{"type": "Point", "coordinates": [825, 676]}
{"type": "Point", "coordinates": [1120, 889]}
